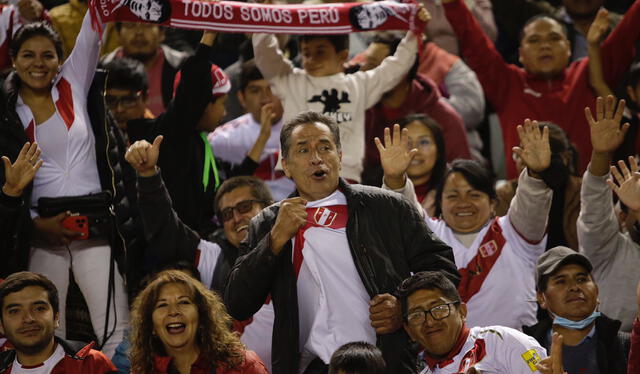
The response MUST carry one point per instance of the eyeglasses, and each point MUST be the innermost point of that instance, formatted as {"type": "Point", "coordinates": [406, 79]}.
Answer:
{"type": "Point", "coordinates": [127, 101]}
{"type": "Point", "coordinates": [242, 208]}
{"type": "Point", "coordinates": [437, 313]}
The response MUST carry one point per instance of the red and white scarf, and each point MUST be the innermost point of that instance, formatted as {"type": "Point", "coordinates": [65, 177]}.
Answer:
{"type": "Point", "coordinates": [231, 16]}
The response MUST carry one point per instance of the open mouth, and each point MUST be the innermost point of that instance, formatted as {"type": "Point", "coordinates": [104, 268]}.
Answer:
{"type": "Point", "coordinates": [37, 74]}
{"type": "Point", "coordinates": [175, 328]}
{"type": "Point", "coordinates": [464, 214]}
{"type": "Point", "coordinates": [320, 174]}
{"type": "Point", "coordinates": [241, 228]}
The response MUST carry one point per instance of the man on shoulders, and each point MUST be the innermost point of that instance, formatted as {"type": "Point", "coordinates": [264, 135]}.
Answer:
{"type": "Point", "coordinates": [28, 318]}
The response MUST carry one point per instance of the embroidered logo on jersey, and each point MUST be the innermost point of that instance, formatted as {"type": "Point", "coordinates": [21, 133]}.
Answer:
{"type": "Point", "coordinates": [324, 217]}
{"type": "Point", "coordinates": [488, 249]}
{"type": "Point", "coordinates": [531, 357]}
{"type": "Point", "coordinates": [332, 102]}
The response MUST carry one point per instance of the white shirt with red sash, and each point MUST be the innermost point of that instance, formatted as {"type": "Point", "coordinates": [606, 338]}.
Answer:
{"type": "Point", "coordinates": [333, 303]}
{"type": "Point", "coordinates": [492, 349]}
{"type": "Point", "coordinates": [233, 140]}
{"type": "Point", "coordinates": [498, 268]}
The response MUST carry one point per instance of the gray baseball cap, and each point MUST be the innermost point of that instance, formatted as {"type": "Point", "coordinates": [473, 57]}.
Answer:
{"type": "Point", "coordinates": [554, 258]}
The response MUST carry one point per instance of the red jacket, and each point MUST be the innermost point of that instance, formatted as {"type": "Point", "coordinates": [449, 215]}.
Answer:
{"type": "Point", "coordinates": [424, 98]}
{"type": "Point", "coordinates": [78, 359]}
{"type": "Point", "coordinates": [516, 95]}
{"type": "Point", "coordinates": [251, 365]}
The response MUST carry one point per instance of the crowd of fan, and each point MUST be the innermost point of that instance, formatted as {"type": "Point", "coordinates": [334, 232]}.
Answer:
{"type": "Point", "coordinates": [199, 202]}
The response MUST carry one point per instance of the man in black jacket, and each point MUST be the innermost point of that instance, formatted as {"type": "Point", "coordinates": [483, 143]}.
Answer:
{"type": "Point", "coordinates": [592, 342]}
{"type": "Point", "coordinates": [353, 247]}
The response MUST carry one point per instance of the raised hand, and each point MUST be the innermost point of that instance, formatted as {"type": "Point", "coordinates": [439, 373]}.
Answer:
{"type": "Point", "coordinates": [534, 149]}
{"type": "Point", "coordinates": [291, 217]}
{"type": "Point", "coordinates": [395, 157]}
{"type": "Point", "coordinates": [31, 10]}
{"type": "Point", "coordinates": [423, 14]}
{"type": "Point", "coordinates": [553, 363]}
{"type": "Point", "coordinates": [606, 132]}
{"type": "Point", "coordinates": [19, 174]}
{"type": "Point", "coordinates": [598, 27]}
{"type": "Point", "coordinates": [627, 183]}
{"type": "Point", "coordinates": [143, 156]}
{"type": "Point", "coordinates": [267, 115]}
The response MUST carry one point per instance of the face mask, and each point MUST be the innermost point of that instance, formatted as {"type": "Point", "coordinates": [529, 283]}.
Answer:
{"type": "Point", "coordinates": [575, 325]}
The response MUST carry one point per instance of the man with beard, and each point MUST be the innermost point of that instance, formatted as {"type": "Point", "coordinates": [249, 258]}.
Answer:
{"type": "Point", "coordinates": [144, 42]}
{"type": "Point", "coordinates": [237, 201]}
{"type": "Point", "coordinates": [28, 317]}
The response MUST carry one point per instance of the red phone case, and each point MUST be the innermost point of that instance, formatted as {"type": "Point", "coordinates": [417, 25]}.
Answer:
{"type": "Point", "coordinates": [79, 224]}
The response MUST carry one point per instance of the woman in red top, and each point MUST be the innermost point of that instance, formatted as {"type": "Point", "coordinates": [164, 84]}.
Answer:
{"type": "Point", "coordinates": [179, 326]}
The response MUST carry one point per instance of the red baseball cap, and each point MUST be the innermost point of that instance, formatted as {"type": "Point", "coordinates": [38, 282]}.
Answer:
{"type": "Point", "coordinates": [221, 83]}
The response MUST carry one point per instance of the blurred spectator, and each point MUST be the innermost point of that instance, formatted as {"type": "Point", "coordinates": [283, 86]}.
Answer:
{"type": "Point", "coordinates": [29, 313]}
{"type": "Point", "coordinates": [561, 178]}
{"type": "Point", "coordinates": [548, 88]}
{"type": "Point", "coordinates": [56, 104]}
{"type": "Point", "coordinates": [609, 237]}
{"type": "Point", "coordinates": [631, 144]}
{"type": "Point", "coordinates": [488, 249]}
{"type": "Point", "coordinates": [434, 315]}
{"type": "Point", "coordinates": [191, 172]}
{"type": "Point", "coordinates": [127, 92]}
{"type": "Point", "coordinates": [440, 32]}
{"type": "Point", "coordinates": [567, 290]}
{"type": "Point", "coordinates": [256, 134]}
{"type": "Point", "coordinates": [414, 94]}
{"type": "Point", "coordinates": [66, 19]}
{"type": "Point", "coordinates": [457, 84]}
{"type": "Point", "coordinates": [634, 352]}
{"type": "Point", "coordinates": [143, 42]}
{"type": "Point", "coordinates": [200, 341]}
{"type": "Point", "coordinates": [357, 358]}
{"type": "Point", "coordinates": [12, 16]}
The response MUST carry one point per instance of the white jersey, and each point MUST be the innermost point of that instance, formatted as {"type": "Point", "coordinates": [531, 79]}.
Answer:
{"type": "Point", "coordinates": [493, 350]}
{"type": "Point", "coordinates": [44, 368]}
{"type": "Point", "coordinates": [343, 97]}
{"type": "Point", "coordinates": [66, 138]}
{"type": "Point", "coordinates": [332, 300]}
{"type": "Point", "coordinates": [233, 140]}
{"type": "Point", "coordinates": [207, 255]}
{"type": "Point", "coordinates": [507, 295]}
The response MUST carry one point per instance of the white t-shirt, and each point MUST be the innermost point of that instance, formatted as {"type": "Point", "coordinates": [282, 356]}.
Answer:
{"type": "Point", "coordinates": [44, 368]}
{"type": "Point", "coordinates": [333, 304]}
{"type": "Point", "coordinates": [233, 140]}
{"type": "Point", "coordinates": [507, 296]}
{"type": "Point", "coordinates": [497, 350]}
{"type": "Point", "coordinates": [207, 255]}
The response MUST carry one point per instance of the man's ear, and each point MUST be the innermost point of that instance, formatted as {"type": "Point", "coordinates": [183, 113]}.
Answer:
{"type": "Point", "coordinates": [2, 328]}
{"type": "Point", "coordinates": [463, 311]}
{"type": "Point", "coordinates": [541, 300]}
{"type": "Point", "coordinates": [240, 96]}
{"type": "Point", "coordinates": [343, 56]}
{"type": "Point", "coordinates": [56, 320]}
{"type": "Point", "coordinates": [285, 168]}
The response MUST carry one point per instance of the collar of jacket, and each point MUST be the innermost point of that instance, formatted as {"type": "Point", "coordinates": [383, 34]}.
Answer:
{"type": "Point", "coordinates": [75, 350]}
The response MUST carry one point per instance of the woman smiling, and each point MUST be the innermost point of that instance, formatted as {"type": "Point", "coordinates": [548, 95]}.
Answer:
{"type": "Point", "coordinates": [181, 327]}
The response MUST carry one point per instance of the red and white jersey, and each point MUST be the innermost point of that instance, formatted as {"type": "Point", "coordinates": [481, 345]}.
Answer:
{"type": "Point", "coordinates": [207, 255]}
{"type": "Point", "coordinates": [507, 294]}
{"type": "Point", "coordinates": [44, 368]}
{"type": "Point", "coordinates": [233, 140]}
{"type": "Point", "coordinates": [66, 138]}
{"type": "Point", "coordinates": [493, 350]}
{"type": "Point", "coordinates": [333, 303]}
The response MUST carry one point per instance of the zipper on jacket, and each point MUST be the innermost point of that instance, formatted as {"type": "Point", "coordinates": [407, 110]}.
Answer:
{"type": "Point", "coordinates": [365, 268]}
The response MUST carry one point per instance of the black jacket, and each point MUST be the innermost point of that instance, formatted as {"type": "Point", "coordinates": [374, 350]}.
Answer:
{"type": "Point", "coordinates": [388, 240]}
{"type": "Point", "coordinates": [175, 240]}
{"type": "Point", "coordinates": [182, 153]}
{"type": "Point", "coordinates": [612, 345]}
{"type": "Point", "coordinates": [109, 159]}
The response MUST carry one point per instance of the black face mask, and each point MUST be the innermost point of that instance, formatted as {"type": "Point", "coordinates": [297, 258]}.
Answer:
{"type": "Point", "coordinates": [557, 174]}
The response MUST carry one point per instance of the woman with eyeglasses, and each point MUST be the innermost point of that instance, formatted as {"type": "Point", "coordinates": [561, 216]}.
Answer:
{"type": "Point", "coordinates": [429, 164]}
{"type": "Point", "coordinates": [68, 227]}
{"type": "Point", "coordinates": [178, 326]}
{"type": "Point", "coordinates": [495, 256]}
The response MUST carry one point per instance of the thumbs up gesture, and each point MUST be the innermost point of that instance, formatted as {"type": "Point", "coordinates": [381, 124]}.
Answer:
{"type": "Point", "coordinates": [143, 156]}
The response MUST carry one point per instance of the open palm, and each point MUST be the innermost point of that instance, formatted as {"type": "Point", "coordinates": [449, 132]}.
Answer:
{"type": "Point", "coordinates": [19, 174]}
{"type": "Point", "coordinates": [627, 183]}
{"type": "Point", "coordinates": [606, 132]}
{"type": "Point", "coordinates": [534, 149]}
{"type": "Point", "coordinates": [395, 156]}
